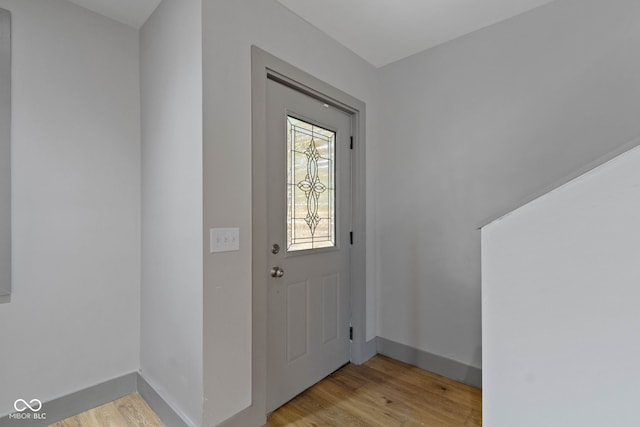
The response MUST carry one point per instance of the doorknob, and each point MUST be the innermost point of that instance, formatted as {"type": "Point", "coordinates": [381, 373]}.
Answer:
{"type": "Point", "coordinates": [277, 272]}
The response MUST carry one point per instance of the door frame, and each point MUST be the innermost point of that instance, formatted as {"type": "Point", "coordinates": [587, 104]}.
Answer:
{"type": "Point", "coordinates": [266, 66]}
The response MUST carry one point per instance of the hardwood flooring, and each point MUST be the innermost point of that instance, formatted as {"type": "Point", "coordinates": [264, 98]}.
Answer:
{"type": "Point", "coordinates": [383, 392]}
{"type": "Point", "coordinates": [129, 411]}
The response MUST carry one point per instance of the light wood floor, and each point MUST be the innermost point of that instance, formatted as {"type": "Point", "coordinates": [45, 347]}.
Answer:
{"type": "Point", "coordinates": [383, 392]}
{"type": "Point", "coordinates": [130, 411]}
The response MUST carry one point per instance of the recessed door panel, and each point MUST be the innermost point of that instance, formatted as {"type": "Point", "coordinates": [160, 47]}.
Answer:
{"type": "Point", "coordinates": [296, 320]}
{"type": "Point", "coordinates": [330, 308]}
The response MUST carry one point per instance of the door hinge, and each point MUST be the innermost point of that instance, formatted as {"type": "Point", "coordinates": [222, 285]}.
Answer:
{"type": "Point", "coordinates": [351, 145]}
{"type": "Point", "coordinates": [351, 237]}
{"type": "Point", "coordinates": [351, 333]}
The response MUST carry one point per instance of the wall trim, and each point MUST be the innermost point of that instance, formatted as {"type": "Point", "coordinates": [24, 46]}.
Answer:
{"type": "Point", "coordinates": [562, 181]}
{"type": "Point", "coordinates": [5, 156]}
{"type": "Point", "coordinates": [163, 410]}
{"type": "Point", "coordinates": [74, 403]}
{"type": "Point", "coordinates": [431, 362]}
{"type": "Point", "coordinates": [247, 417]}
{"type": "Point", "coordinates": [91, 397]}
{"type": "Point", "coordinates": [370, 349]}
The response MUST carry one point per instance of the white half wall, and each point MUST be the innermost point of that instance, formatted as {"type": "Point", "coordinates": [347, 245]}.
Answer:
{"type": "Point", "coordinates": [560, 296]}
{"type": "Point", "coordinates": [171, 309]}
{"type": "Point", "coordinates": [73, 318]}
{"type": "Point", "coordinates": [473, 127]}
{"type": "Point", "coordinates": [230, 28]}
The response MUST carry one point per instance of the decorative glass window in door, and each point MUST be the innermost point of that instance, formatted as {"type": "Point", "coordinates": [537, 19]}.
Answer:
{"type": "Point", "coordinates": [311, 194]}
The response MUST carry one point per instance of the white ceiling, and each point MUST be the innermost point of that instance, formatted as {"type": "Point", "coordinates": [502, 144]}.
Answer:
{"type": "Point", "coordinates": [380, 31]}
{"type": "Point", "coordinates": [130, 12]}
{"type": "Point", "coordinates": [384, 31]}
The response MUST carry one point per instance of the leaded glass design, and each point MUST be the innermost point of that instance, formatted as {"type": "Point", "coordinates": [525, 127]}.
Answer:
{"type": "Point", "coordinates": [311, 194]}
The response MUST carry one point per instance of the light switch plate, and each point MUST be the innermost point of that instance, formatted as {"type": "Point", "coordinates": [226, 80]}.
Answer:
{"type": "Point", "coordinates": [224, 239]}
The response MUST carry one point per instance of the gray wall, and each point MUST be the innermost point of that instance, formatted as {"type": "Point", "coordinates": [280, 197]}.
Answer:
{"type": "Point", "coordinates": [73, 320]}
{"type": "Point", "coordinates": [230, 28]}
{"type": "Point", "coordinates": [473, 127]}
{"type": "Point", "coordinates": [5, 153]}
{"type": "Point", "coordinates": [466, 130]}
{"type": "Point", "coordinates": [171, 306]}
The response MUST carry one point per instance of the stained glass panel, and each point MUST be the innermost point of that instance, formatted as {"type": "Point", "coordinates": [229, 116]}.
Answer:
{"type": "Point", "coordinates": [311, 190]}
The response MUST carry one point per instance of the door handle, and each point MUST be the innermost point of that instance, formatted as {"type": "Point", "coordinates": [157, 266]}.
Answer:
{"type": "Point", "coordinates": [277, 272]}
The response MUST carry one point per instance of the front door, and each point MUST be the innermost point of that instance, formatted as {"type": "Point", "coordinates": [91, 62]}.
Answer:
{"type": "Point", "coordinates": [309, 217]}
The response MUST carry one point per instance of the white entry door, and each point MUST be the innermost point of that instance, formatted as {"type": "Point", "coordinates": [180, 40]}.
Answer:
{"type": "Point", "coordinates": [309, 217]}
